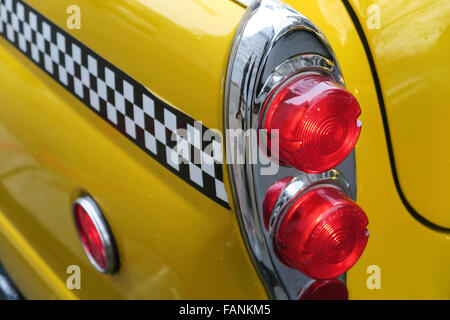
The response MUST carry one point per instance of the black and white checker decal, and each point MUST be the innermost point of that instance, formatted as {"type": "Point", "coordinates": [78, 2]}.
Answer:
{"type": "Point", "coordinates": [121, 101]}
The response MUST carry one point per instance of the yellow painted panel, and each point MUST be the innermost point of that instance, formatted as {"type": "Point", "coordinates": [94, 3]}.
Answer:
{"type": "Point", "coordinates": [410, 42]}
{"type": "Point", "coordinates": [413, 259]}
{"type": "Point", "coordinates": [173, 241]}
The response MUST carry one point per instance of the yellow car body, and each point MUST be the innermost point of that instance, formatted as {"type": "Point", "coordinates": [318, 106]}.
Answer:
{"type": "Point", "coordinates": [173, 241]}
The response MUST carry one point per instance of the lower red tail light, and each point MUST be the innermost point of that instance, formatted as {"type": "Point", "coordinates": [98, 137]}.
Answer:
{"type": "Point", "coordinates": [90, 236]}
{"type": "Point", "coordinates": [325, 290]}
{"type": "Point", "coordinates": [322, 234]}
{"type": "Point", "coordinates": [271, 198]}
{"type": "Point", "coordinates": [317, 121]}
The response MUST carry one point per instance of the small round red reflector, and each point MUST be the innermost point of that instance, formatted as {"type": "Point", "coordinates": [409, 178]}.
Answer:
{"type": "Point", "coordinates": [95, 235]}
{"type": "Point", "coordinates": [90, 237]}
{"type": "Point", "coordinates": [322, 234]}
{"type": "Point", "coordinates": [325, 290]}
{"type": "Point", "coordinates": [317, 121]}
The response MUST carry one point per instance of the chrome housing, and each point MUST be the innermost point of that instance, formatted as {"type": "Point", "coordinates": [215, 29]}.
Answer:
{"type": "Point", "coordinates": [8, 290]}
{"type": "Point", "coordinates": [266, 22]}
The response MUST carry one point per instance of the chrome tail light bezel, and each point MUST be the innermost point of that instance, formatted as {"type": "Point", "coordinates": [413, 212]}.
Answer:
{"type": "Point", "coordinates": [263, 25]}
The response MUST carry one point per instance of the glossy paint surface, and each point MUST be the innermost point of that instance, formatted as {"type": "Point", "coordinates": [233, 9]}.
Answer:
{"type": "Point", "coordinates": [173, 241]}
{"type": "Point", "coordinates": [411, 49]}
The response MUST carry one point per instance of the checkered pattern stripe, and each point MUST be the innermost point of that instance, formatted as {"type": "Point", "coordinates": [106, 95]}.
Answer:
{"type": "Point", "coordinates": [165, 133]}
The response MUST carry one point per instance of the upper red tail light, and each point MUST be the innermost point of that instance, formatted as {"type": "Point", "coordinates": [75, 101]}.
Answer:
{"type": "Point", "coordinates": [317, 121]}
{"type": "Point", "coordinates": [322, 234]}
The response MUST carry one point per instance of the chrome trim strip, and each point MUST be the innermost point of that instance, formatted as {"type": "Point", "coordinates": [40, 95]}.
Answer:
{"type": "Point", "coordinates": [8, 290]}
{"type": "Point", "coordinates": [94, 212]}
{"type": "Point", "coordinates": [263, 24]}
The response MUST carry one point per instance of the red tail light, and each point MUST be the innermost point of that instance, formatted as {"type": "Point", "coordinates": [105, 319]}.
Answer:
{"type": "Point", "coordinates": [317, 121]}
{"type": "Point", "coordinates": [322, 234]}
{"type": "Point", "coordinates": [90, 237]}
{"type": "Point", "coordinates": [325, 290]}
{"type": "Point", "coordinates": [271, 198]}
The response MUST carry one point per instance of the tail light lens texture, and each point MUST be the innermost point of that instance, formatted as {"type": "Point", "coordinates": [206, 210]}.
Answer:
{"type": "Point", "coordinates": [322, 234]}
{"type": "Point", "coordinates": [317, 121]}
